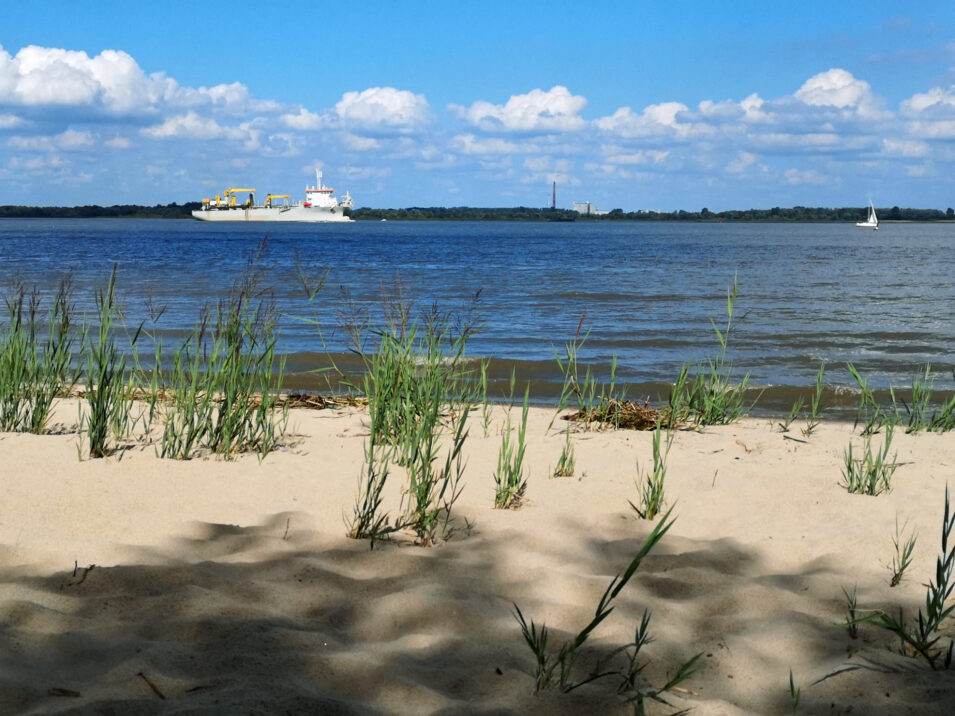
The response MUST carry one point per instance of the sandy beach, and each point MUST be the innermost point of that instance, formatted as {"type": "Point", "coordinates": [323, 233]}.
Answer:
{"type": "Point", "coordinates": [133, 584]}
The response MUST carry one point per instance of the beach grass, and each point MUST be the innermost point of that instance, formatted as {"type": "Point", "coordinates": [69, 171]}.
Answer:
{"type": "Point", "coordinates": [555, 668]}
{"type": "Point", "coordinates": [872, 473]}
{"type": "Point", "coordinates": [920, 412]}
{"type": "Point", "coordinates": [225, 383]}
{"type": "Point", "coordinates": [869, 413]}
{"type": "Point", "coordinates": [509, 482]}
{"type": "Point", "coordinates": [815, 404]}
{"type": "Point", "coordinates": [793, 413]}
{"type": "Point", "coordinates": [708, 394]}
{"type": "Point", "coordinates": [109, 390]}
{"type": "Point", "coordinates": [420, 393]}
{"type": "Point", "coordinates": [651, 482]}
{"type": "Point", "coordinates": [594, 403]}
{"type": "Point", "coordinates": [368, 520]}
{"type": "Point", "coordinates": [851, 622]}
{"type": "Point", "coordinates": [904, 547]}
{"type": "Point", "coordinates": [567, 460]}
{"type": "Point", "coordinates": [923, 638]}
{"type": "Point", "coordinates": [34, 371]}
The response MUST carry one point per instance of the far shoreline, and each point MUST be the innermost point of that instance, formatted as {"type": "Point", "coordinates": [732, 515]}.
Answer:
{"type": "Point", "coordinates": [776, 215]}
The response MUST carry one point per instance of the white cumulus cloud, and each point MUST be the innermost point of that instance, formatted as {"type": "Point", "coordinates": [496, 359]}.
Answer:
{"type": "Point", "coordinates": [111, 80]}
{"type": "Point", "coordinates": [39, 164]}
{"type": "Point", "coordinates": [655, 119]}
{"type": "Point", "coordinates": [194, 126]}
{"type": "Point", "coordinates": [616, 155]}
{"type": "Point", "coordinates": [935, 98]}
{"type": "Point", "coordinates": [384, 107]}
{"type": "Point", "coordinates": [304, 120]}
{"type": "Point", "coordinates": [742, 163]}
{"type": "Point", "coordinates": [837, 88]}
{"type": "Point", "coordinates": [554, 110]}
{"type": "Point", "coordinates": [753, 109]}
{"type": "Point", "coordinates": [469, 144]}
{"type": "Point", "coordinates": [118, 143]}
{"type": "Point", "coordinates": [9, 121]}
{"type": "Point", "coordinates": [804, 176]}
{"type": "Point", "coordinates": [360, 144]}
{"type": "Point", "coordinates": [70, 139]}
{"type": "Point", "coordinates": [941, 129]}
{"type": "Point", "coordinates": [905, 148]}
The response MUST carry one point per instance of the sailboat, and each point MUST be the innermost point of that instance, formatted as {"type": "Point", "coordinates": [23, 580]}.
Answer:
{"type": "Point", "coordinates": [872, 221]}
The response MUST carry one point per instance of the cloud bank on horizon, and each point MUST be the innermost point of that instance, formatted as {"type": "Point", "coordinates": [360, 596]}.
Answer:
{"type": "Point", "coordinates": [78, 128]}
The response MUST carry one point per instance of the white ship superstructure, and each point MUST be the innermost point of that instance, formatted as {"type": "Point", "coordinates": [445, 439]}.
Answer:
{"type": "Point", "coordinates": [320, 205]}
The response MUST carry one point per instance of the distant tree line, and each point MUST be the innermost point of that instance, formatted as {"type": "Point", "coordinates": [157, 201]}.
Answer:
{"type": "Point", "coordinates": [124, 211]}
{"type": "Point", "coordinates": [518, 213]}
{"type": "Point", "coordinates": [464, 213]}
{"type": "Point", "coordinates": [521, 213]}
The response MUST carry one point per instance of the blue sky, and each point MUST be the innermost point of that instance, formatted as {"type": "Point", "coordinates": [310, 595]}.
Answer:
{"type": "Point", "coordinates": [637, 105]}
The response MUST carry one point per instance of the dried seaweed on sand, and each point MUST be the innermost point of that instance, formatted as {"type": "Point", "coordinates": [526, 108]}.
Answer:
{"type": "Point", "coordinates": [627, 414]}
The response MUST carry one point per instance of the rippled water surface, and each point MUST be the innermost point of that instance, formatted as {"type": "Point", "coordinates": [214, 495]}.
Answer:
{"type": "Point", "coordinates": [647, 291]}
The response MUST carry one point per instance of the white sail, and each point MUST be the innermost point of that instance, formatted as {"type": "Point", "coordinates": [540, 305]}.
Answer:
{"type": "Point", "coordinates": [872, 221]}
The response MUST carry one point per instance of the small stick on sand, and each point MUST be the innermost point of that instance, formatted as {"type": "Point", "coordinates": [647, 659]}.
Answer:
{"type": "Point", "coordinates": [151, 685]}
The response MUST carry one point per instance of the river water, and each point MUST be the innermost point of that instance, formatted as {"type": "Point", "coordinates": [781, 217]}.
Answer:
{"type": "Point", "coordinates": [646, 292]}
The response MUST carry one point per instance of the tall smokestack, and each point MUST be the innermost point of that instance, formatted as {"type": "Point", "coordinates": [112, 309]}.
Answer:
{"type": "Point", "coordinates": [553, 198]}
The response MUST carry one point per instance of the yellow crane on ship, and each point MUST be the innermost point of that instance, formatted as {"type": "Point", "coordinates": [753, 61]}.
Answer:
{"type": "Point", "coordinates": [270, 197]}
{"type": "Point", "coordinates": [229, 194]}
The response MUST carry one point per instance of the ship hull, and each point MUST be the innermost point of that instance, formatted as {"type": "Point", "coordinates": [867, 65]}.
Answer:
{"type": "Point", "coordinates": [297, 213]}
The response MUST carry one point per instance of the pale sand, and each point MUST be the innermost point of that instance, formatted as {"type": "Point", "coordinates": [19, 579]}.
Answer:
{"type": "Point", "coordinates": [231, 587]}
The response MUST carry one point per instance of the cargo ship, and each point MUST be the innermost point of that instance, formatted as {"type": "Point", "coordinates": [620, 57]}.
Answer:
{"type": "Point", "coordinates": [320, 205]}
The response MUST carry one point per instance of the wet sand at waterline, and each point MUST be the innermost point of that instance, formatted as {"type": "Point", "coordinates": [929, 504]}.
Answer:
{"type": "Point", "coordinates": [230, 586]}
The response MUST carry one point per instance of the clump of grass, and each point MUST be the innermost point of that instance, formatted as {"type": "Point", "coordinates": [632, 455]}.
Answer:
{"type": "Point", "coordinates": [852, 610]}
{"type": "Point", "coordinates": [412, 367]}
{"type": "Point", "coordinates": [793, 693]}
{"type": "Point", "coordinates": [34, 372]}
{"type": "Point", "coordinates": [486, 412]}
{"type": "Point", "coordinates": [418, 390]}
{"type": "Point", "coordinates": [554, 669]}
{"type": "Point", "coordinates": [797, 406]}
{"type": "Point", "coordinates": [567, 461]}
{"type": "Point", "coordinates": [187, 420]}
{"type": "Point", "coordinates": [226, 380]}
{"type": "Point", "coordinates": [815, 403]}
{"type": "Point", "coordinates": [872, 473]}
{"type": "Point", "coordinates": [577, 389]}
{"type": "Point", "coordinates": [109, 390]}
{"type": "Point", "coordinates": [923, 637]}
{"type": "Point", "coordinates": [942, 420]}
{"type": "Point", "coordinates": [597, 404]}
{"type": "Point", "coordinates": [509, 482]}
{"type": "Point", "coordinates": [433, 491]}
{"type": "Point", "coordinates": [903, 553]}
{"type": "Point", "coordinates": [709, 396]}
{"type": "Point", "coordinates": [247, 380]}
{"type": "Point", "coordinates": [151, 388]}
{"type": "Point", "coordinates": [921, 400]}
{"type": "Point", "coordinates": [686, 670]}
{"type": "Point", "coordinates": [869, 412]}
{"type": "Point", "coordinates": [651, 493]}
{"type": "Point", "coordinates": [368, 520]}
